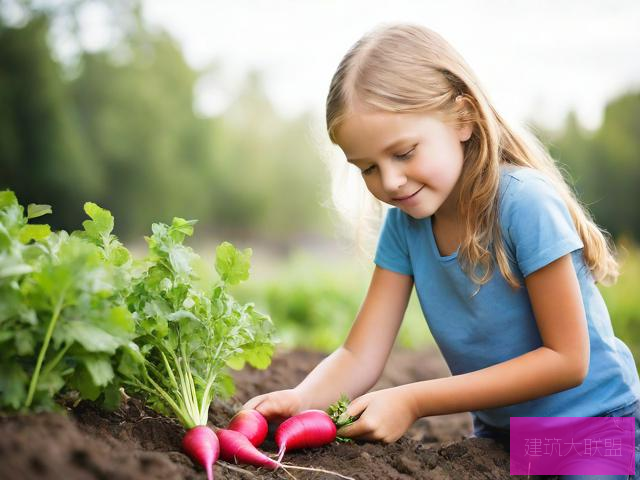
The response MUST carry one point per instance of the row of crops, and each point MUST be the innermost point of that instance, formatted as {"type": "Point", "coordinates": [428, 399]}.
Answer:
{"type": "Point", "coordinates": [78, 312]}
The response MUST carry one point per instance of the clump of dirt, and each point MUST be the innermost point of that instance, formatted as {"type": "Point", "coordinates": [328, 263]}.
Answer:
{"type": "Point", "coordinates": [53, 446]}
{"type": "Point", "coordinates": [136, 443]}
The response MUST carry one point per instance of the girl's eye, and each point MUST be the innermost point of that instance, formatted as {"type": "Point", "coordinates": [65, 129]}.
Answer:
{"type": "Point", "coordinates": [368, 171]}
{"type": "Point", "coordinates": [405, 156]}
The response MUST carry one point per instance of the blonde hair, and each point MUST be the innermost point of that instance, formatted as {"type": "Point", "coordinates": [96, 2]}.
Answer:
{"type": "Point", "coordinates": [407, 68]}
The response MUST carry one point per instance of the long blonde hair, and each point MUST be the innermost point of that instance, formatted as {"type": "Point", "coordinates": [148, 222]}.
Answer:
{"type": "Point", "coordinates": [407, 68]}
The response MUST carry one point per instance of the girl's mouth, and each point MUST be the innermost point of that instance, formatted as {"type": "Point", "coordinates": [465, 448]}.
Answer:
{"type": "Point", "coordinates": [404, 199]}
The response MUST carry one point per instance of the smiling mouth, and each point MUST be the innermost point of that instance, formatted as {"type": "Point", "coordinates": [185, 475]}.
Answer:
{"type": "Point", "coordinates": [405, 198]}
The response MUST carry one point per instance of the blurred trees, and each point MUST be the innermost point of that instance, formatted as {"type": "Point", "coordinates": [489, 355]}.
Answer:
{"type": "Point", "coordinates": [43, 155]}
{"type": "Point", "coordinates": [154, 156]}
{"type": "Point", "coordinates": [604, 165]}
{"type": "Point", "coordinates": [119, 128]}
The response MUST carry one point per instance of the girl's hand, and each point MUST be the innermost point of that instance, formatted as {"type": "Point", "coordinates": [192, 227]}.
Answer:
{"type": "Point", "coordinates": [385, 415]}
{"type": "Point", "coordinates": [277, 406]}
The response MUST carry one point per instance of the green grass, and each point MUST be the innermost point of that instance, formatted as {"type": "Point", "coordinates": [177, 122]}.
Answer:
{"type": "Point", "coordinates": [313, 302]}
{"type": "Point", "coordinates": [623, 300]}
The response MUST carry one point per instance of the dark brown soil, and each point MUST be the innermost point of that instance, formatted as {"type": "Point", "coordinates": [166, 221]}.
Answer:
{"type": "Point", "coordinates": [136, 443]}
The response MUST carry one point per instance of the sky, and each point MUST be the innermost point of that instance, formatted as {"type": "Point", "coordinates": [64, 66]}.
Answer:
{"type": "Point", "coordinates": [537, 59]}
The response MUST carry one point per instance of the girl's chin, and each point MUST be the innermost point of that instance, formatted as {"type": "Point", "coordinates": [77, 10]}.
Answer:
{"type": "Point", "coordinates": [417, 211]}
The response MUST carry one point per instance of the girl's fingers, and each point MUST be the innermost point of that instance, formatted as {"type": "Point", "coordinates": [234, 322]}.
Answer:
{"type": "Point", "coordinates": [355, 430]}
{"type": "Point", "coordinates": [273, 406]}
{"type": "Point", "coordinates": [254, 402]}
{"type": "Point", "coordinates": [268, 408]}
{"type": "Point", "coordinates": [265, 408]}
{"type": "Point", "coordinates": [357, 407]}
{"type": "Point", "coordinates": [360, 426]}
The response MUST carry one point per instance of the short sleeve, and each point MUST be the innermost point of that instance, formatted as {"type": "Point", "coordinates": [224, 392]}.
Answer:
{"type": "Point", "coordinates": [539, 225]}
{"type": "Point", "coordinates": [392, 252]}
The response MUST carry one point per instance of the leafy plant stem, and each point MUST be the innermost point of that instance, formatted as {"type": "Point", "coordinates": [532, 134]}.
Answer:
{"type": "Point", "coordinates": [142, 386]}
{"type": "Point", "coordinates": [169, 371]}
{"type": "Point", "coordinates": [181, 389]}
{"type": "Point", "coordinates": [192, 389]}
{"type": "Point", "coordinates": [43, 349]}
{"type": "Point", "coordinates": [55, 360]}
{"type": "Point", "coordinates": [204, 403]}
{"type": "Point", "coordinates": [185, 390]}
{"type": "Point", "coordinates": [187, 417]}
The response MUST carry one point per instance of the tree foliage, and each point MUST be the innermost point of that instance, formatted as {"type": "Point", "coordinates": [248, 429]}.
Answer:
{"type": "Point", "coordinates": [120, 128]}
{"type": "Point", "coordinates": [604, 165]}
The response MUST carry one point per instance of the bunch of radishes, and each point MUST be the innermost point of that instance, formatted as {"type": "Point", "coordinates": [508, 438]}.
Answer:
{"type": "Point", "coordinates": [239, 442]}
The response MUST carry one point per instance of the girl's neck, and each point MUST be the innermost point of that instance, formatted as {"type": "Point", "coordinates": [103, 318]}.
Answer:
{"type": "Point", "coordinates": [448, 211]}
{"type": "Point", "coordinates": [447, 234]}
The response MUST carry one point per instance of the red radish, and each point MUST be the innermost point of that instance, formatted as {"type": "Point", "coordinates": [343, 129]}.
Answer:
{"type": "Point", "coordinates": [251, 424]}
{"type": "Point", "coordinates": [236, 448]}
{"type": "Point", "coordinates": [311, 428]}
{"type": "Point", "coordinates": [202, 445]}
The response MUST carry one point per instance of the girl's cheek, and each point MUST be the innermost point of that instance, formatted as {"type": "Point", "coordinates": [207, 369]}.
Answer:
{"type": "Point", "coordinates": [429, 174]}
{"type": "Point", "coordinates": [442, 171]}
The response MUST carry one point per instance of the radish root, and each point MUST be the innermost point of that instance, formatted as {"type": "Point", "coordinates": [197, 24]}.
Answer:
{"type": "Point", "coordinates": [313, 469]}
{"type": "Point", "coordinates": [236, 469]}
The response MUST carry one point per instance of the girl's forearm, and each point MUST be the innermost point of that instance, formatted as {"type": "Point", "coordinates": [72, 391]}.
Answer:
{"type": "Point", "coordinates": [535, 374]}
{"type": "Point", "coordinates": [340, 372]}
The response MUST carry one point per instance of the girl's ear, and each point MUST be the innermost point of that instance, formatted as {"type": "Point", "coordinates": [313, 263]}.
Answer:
{"type": "Point", "coordinates": [464, 132]}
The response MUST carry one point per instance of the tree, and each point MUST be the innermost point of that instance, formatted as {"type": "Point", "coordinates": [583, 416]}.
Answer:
{"type": "Point", "coordinates": [41, 150]}
{"type": "Point", "coordinates": [604, 165]}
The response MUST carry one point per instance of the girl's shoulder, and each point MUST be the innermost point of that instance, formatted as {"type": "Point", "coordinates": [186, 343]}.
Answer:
{"type": "Point", "coordinates": [535, 220]}
{"type": "Point", "coordinates": [511, 173]}
{"type": "Point", "coordinates": [524, 186]}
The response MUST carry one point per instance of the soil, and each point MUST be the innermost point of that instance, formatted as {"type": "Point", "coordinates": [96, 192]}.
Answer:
{"type": "Point", "coordinates": [135, 443]}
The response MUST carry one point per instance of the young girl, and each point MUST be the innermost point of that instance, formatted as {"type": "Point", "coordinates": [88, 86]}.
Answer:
{"type": "Point", "coordinates": [503, 257]}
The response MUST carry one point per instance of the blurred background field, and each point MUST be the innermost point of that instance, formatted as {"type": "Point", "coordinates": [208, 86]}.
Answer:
{"type": "Point", "coordinates": [313, 302]}
{"type": "Point", "coordinates": [99, 101]}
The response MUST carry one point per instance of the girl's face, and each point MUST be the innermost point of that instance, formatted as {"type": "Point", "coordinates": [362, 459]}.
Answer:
{"type": "Point", "coordinates": [409, 160]}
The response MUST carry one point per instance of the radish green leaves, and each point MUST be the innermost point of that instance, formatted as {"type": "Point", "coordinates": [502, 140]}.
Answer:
{"type": "Point", "coordinates": [188, 334]}
{"type": "Point", "coordinates": [78, 312]}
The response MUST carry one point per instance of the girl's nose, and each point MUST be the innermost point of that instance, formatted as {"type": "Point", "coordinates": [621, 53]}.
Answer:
{"type": "Point", "coordinates": [393, 180]}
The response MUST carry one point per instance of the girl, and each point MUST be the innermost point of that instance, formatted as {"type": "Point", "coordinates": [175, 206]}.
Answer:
{"type": "Point", "coordinates": [503, 257]}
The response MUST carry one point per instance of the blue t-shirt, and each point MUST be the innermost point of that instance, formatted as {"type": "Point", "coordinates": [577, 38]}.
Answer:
{"type": "Point", "coordinates": [475, 331]}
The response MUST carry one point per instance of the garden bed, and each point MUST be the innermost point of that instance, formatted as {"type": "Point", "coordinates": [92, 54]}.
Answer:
{"type": "Point", "coordinates": [134, 442]}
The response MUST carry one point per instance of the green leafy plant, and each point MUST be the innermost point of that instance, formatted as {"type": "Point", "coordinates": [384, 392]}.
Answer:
{"type": "Point", "coordinates": [77, 312]}
{"type": "Point", "coordinates": [188, 334]}
{"type": "Point", "coordinates": [62, 310]}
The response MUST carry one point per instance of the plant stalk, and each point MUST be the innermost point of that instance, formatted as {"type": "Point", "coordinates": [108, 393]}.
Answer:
{"type": "Point", "coordinates": [43, 351]}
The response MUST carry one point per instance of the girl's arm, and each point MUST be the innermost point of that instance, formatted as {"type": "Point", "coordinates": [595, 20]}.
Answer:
{"type": "Point", "coordinates": [356, 366]}
{"type": "Point", "coordinates": [561, 363]}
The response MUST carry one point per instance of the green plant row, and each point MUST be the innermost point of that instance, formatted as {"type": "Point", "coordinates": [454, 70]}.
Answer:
{"type": "Point", "coordinates": [78, 312]}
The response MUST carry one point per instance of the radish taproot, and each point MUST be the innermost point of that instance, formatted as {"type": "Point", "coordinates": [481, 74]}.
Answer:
{"type": "Point", "coordinates": [309, 429]}
{"type": "Point", "coordinates": [236, 448]}
{"type": "Point", "coordinates": [203, 446]}
{"type": "Point", "coordinates": [251, 424]}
